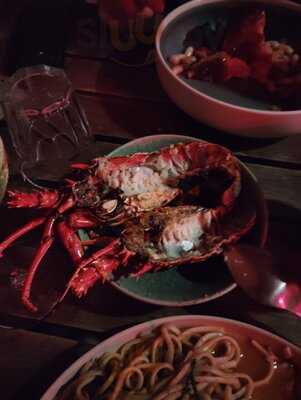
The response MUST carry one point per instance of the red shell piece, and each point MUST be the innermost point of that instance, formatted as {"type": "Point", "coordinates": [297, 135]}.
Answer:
{"type": "Point", "coordinates": [39, 199]}
{"type": "Point", "coordinates": [245, 41]}
{"type": "Point", "coordinates": [246, 35]}
{"type": "Point", "coordinates": [108, 164]}
{"type": "Point", "coordinates": [260, 71]}
{"type": "Point", "coordinates": [84, 281]}
{"type": "Point", "coordinates": [237, 68]}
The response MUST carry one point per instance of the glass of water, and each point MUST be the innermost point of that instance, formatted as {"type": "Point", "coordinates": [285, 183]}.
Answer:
{"type": "Point", "coordinates": [47, 124]}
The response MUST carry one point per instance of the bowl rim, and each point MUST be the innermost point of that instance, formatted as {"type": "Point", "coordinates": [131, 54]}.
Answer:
{"type": "Point", "coordinates": [262, 238]}
{"type": "Point", "coordinates": [198, 4]}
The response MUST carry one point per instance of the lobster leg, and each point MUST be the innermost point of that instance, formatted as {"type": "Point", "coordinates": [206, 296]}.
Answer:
{"type": "Point", "coordinates": [20, 232]}
{"type": "Point", "coordinates": [36, 222]}
{"type": "Point", "coordinates": [82, 219]}
{"type": "Point", "coordinates": [111, 248]}
{"type": "Point", "coordinates": [47, 241]}
{"type": "Point", "coordinates": [67, 232]}
{"type": "Point", "coordinates": [76, 250]}
{"type": "Point", "coordinates": [98, 266]}
{"type": "Point", "coordinates": [39, 199]}
{"type": "Point", "coordinates": [98, 270]}
{"type": "Point", "coordinates": [101, 268]}
{"type": "Point", "coordinates": [71, 241]}
{"type": "Point", "coordinates": [147, 267]}
{"type": "Point", "coordinates": [84, 166]}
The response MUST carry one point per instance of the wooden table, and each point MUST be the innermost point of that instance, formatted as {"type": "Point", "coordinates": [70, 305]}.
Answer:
{"type": "Point", "coordinates": [123, 104]}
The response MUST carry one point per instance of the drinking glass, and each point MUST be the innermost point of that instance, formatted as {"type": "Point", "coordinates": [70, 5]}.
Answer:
{"type": "Point", "coordinates": [47, 124]}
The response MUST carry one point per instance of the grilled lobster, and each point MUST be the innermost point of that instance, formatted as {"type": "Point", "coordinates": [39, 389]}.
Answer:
{"type": "Point", "coordinates": [123, 192]}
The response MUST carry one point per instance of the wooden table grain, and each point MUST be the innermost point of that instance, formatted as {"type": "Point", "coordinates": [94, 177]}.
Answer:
{"type": "Point", "coordinates": [123, 104]}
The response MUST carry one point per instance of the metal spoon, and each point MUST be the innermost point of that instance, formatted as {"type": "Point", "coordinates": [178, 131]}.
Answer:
{"type": "Point", "coordinates": [254, 270]}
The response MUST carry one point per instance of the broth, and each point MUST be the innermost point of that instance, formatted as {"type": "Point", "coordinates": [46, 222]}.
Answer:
{"type": "Point", "coordinates": [281, 386]}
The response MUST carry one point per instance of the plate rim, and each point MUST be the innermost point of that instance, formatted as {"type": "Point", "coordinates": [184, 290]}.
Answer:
{"type": "Point", "coordinates": [204, 299]}
{"type": "Point", "coordinates": [97, 350]}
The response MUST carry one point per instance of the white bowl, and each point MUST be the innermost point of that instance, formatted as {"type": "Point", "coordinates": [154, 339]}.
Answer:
{"type": "Point", "coordinates": [206, 102]}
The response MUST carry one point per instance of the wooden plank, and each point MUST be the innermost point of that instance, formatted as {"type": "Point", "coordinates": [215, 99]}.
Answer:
{"type": "Point", "coordinates": [131, 119]}
{"type": "Point", "coordinates": [282, 189]}
{"type": "Point", "coordinates": [286, 150]}
{"type": "Point", "coordinates": [129, 103]}
{"type": "Point", "coordinates": [109, 78]}
{"type": "Point", "coordinates": [105, 309]}
{"type": "Point", "coordinates": [30, 361]}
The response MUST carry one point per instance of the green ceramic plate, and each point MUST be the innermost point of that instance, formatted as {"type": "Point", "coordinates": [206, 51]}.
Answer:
{"type": "Point", "coordinates": [193, 283]}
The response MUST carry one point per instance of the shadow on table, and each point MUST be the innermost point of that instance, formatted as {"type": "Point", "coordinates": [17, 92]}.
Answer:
{"type": "Point", "coordinates": [37, 386]}
{"type": "Point", "coordinates": [165, 118]}
{"type": "Point", "coordinates": [284, 213]}
{"type": "Point", "coordinates": [284, 240]}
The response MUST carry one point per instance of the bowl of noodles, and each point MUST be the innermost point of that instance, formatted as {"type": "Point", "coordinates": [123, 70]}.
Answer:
{"type": "Point", "coordinates": [185, 357]}
{"type": "Point", "coordinates": [234, 65]}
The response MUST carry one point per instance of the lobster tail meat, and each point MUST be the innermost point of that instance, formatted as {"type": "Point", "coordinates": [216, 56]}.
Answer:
{"type": "Point", "coordinates": [142, 188]}
{"type": "Point", "coordinates": [151, 180]}
{"type": "Point", "coordinates": [199, 158]}
{"type": "Point", "coordinates": [175, 236]}
{"type": "Point", "coordinates": [169, 235]}
{"type": "Point", "coordinates": [130, 175]}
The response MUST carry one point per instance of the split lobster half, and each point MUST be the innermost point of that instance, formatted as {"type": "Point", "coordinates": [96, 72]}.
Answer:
{"type": "Point", "coordinates": [181, 204]}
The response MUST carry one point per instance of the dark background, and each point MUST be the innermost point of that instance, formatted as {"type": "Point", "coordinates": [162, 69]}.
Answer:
{"type": "Point", "coordinates": [42, 30]}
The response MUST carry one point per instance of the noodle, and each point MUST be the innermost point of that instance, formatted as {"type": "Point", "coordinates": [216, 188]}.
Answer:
{"type": "Point", "coordinates": [195, 363]}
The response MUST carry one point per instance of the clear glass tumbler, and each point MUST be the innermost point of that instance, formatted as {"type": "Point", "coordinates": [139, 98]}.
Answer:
{"type": "Point", "coordinates": [48, 126]}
